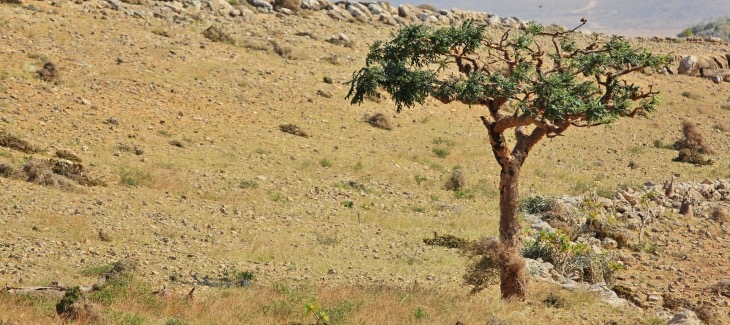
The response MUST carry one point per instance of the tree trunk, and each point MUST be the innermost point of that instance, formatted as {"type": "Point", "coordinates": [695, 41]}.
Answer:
{"type": "Point", "coordinates": [513, 279]}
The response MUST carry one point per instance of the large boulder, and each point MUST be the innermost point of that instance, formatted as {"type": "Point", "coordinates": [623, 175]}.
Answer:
{"type": "Point", "coordinates": [685, 317]}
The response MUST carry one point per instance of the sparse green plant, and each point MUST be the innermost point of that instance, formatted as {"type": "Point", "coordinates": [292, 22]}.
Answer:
{"type": "Point", "coordinates": [135, 177]}
{"type": "Point", "coordinates": [419, 209]}
{"type": "Point", "coordinates": [420, 314]}
{"type": "Point", "coordinates": [358, 166]}
{"type": "Point", "coordinates": [327, 239]}
{"type": "Point", "coordinates": [440, 152]}
{"type": "Point", "coordinates": [320, 315]}
{"type": "Point", "coordinates": [443, 141]}
{"type": "Point", "coordinates": [327, 80]}
{"type": "Point", "coordinates": [556, 248]}
{"type": "Point", "coordinates": [277, 197]}
{"type": "Point", "coordinates": [248, 184]}
{"type": "Point", "coordinates": [324, 162]}
{"type": "Point", "coordinates": [464, 193]}
{"type": "Point", "coordinates": [239, 278]}
{"type": "Point", "coordinates": [420, 179]}
{"type": "Point", "coordinates": [637, 150]}
{"type": "Point", "coordinates": [348, 204]}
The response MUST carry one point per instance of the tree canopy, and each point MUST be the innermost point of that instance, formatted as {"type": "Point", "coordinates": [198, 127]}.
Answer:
{"type": "Point", "coordinates": [552, 87]}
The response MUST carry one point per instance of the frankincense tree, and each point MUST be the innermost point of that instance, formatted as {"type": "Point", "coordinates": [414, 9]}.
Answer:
{"type": "Point", "coordinates": [532, 83]}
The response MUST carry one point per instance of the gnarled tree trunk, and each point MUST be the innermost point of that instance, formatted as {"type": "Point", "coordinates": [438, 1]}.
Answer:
{"type": "Point", "coordinates": [513, 279]}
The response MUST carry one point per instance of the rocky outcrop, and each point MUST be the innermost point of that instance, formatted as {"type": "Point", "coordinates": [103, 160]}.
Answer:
{"type": "Point", "coordinates": [365, 12]}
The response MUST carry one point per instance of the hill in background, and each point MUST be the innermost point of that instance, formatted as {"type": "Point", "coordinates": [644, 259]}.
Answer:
{"type": "Point", "coordinates": [718, 28]}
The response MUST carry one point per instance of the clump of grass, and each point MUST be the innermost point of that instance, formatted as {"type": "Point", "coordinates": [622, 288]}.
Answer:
{"type": "Point", "coordinates": [57, 173]}
{"type": "Point", "coordinates": [443, 141]}
{"type": "Point", "coordinates": [327, 80]}
{"type": "Point", "coordinates": [379, 120]}
{"type": "Point", "coordinates": [177, 143]}
{"type": "Point", "coordinates": [248, 184]}
{"type": "Point", "coordinates": [283, 51]}
{"type": "Point", "coordinates": [420, 179]}
{"type": "Point", "coordinates": [456, 181]}
{"type": "Point", "coordinates": [256, 45]}
{"type": "Point", "coordinates": [690, 95]}
{"type": "Point", "coordinates": [325, 163]}
{"type": "Point", "coordinates": [293, 129]}
{"type": "Point", "coordinates": [135, 177]}
{"type": "Point", "coordinates": [555, 301]}
{"type": "Point", "coordinates": [448, 241]}
{"type": "Point", "coordinates": [67, 155]}
{"type": "Point", "coordinates": [12, 142]}
{"type": "Point", "coordinates": [578, 259]}
{"type": "Point", "coordinates": [216, 34]}
{"type": "Point", "coordinates": [440, 152]}
{"type": "Point", "coordinates": [720, 215]}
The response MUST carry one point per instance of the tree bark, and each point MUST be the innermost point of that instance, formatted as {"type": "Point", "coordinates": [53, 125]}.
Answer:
{"type": "Point", "coordinates": [513, 279]}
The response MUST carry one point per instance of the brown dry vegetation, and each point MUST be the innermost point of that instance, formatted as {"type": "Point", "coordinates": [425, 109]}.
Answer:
{"type": "Point", "coordinates": [242, 195]}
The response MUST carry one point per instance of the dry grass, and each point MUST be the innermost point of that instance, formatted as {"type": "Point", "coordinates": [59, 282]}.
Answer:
{"type": "Point", "coordinates": [693, 139]}
{"type": "Point", "coordinates": [217, 34]}
{"type": "Point", "coordinates": [13, 142]}
{"type": "Point", "coordinates": [285, 304]}
{"type": "Point", "coordinates": [179, 196]}
{"type": "Point", "coordinates": [379, 120]}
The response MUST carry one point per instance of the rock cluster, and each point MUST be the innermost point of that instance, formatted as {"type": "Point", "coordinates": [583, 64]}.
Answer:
{"type": "Point", "coordinates": [632, 210]}
{"type": "Point", "coordinates": [366, 12]}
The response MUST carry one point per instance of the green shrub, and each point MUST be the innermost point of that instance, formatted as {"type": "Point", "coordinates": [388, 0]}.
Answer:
{"type": "Point", "coordinates": [325, 163]}
{"type": "Point", "coordinates": [440, 152]}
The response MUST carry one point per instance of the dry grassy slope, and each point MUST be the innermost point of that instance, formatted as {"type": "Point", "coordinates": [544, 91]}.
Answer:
{"type": "Point", "coordinates": [189, 214]}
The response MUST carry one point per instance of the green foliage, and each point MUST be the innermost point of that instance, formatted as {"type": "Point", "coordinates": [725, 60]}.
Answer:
{"type": "Point", "coordinates": [568, 258]}
{"type": "Point", "coordinates": [71, 296]}
{"type": "Point", "coordinates": [565, 83]}
{"type": "Point", "coordinates": [238, 278]}
{"type": "Point", "coordinates": [348, 204]}
{"type": "Point", "coordinates": [420, 179]}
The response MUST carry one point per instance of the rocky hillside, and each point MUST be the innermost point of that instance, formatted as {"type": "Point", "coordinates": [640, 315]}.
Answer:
{"type": "Point", "coordinates": [209, 142]}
